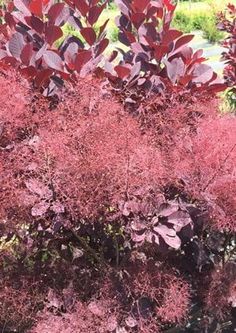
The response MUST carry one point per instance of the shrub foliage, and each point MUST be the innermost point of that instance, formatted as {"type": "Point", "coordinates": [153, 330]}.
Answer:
{"type": "Point", "coordinates": [228, 24]}
{"type": "Point", "coordinates": [114, 219]}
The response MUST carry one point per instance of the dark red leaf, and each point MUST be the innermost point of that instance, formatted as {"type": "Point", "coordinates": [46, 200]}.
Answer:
{"type": "Point", "coordinates": [169, 5]}
{"type": "Point", "coordinates": [171, 35]}
{"type": "Point", "coordinates": [42, 76]}
{"type": "Point", "coordinates": [94, 14]}
{"type": "Point", "coordinates": [103, 27]}
{"type": "Point", "coordinates": [36, 7]}
{"type": "Point", "coordinates": [35, 23]}
{"type": "Point", "coordinates": [102, 46]}
{"type": "Point", "coordinates": [140, 5]}
{"type": "Point", "coordinates": [183, 41]}
{"type": "Point", "coordinates": [55, 11]}
{"type": "Point", "coordinates": [216, 87]}
{"type": "Point", "coordinates": [122, 71]}
{"type": "Point", "coordinates": [29, 72]}
{"type": "Point", "coordinates": [10, 6]}
{"type": "Point", "coordinates": [185, 79]}
{"type": "Point", "coordinates": [10, 20]}
{"type": "Point", "coordinates": [160, 51]}
{"type": "Point", "coordinates": [26, 54]}
{"type": "Point", "coordinates": [113, 56]}
{"type": "Point", "coordinates": [89, 35]}
{"type": "Point", "coordinates": [82, 6]}
{"type": "Point", "coordinates": [52, 34]}
{"type": "Point", "coordinates": [82, 58]}
{"type": "Point", "coordinates": [137, 19]}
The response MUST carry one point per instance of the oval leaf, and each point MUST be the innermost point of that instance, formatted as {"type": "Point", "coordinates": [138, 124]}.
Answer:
{"type": "Point", "coordinates": [52, 34]}
{"type": "Point", "coordinates": [89, 35]}
{"type": "Point", "coordinates": [53, 60]}
{"type": "Point", "coordinates": [16, 45]}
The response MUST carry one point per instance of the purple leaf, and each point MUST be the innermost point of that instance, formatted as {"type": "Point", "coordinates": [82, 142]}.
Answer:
{"type": "Point", "coordinates": [175, 69]}
{"type": "Point", "coordinates": [41, 52]}
{"type": "Point", "coordinates": [138, 238]}
{"type": "Point", "coordinates": [58, 207]}
{"type": "Point", "coordinates": [20, 5]}
{"type": "Point", "coordinates": [169, 236]}
{"type": "Point", "coordinates": [179, 219]}
{"type": "Point", "coordinates": [40, 208]}
{"type": "Point", "coordinates": [16, 45]}
{"type": "Point", "coordinates": [53, 60]}
{"type": "Point", "coordinates": [202, 74]}
{"type": "Point", "coordinates": [167, 209]}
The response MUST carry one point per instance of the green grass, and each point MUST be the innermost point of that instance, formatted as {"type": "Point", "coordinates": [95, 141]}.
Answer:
{"type": "Point", "coordinates": [112, 29]}
{"type": "Point", "coordinates": [200, 16]}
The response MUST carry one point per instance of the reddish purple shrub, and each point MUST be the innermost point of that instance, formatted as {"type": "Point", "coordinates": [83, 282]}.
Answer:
{"type": "Point", "coordinates": [13, 106]}
{"type": "Point", "coordinates": [145, 300]}
{"type": "Point", "coordinates": [116, 214]}
{"type": "Point", "coordinates": [19, 304]}
{"type": "Point", "coordinates": [55, 165]}
{"type": "Point", "coordinates": [175, 304]}
{"type": "Point", "coordinates": [158, 58]}
{"type": "Point", "coordinates": [170, 294]}
{"type": "Point", "coordinates": [84, 318]}
{"type": "Point", "coordinates": [32, 40]}
{"type": "Point", "coordinates": [205, 161]}
{"type": "Point", "coordinates": [228, 24]}
{"type": "Point", "coordinates": [221, 294]}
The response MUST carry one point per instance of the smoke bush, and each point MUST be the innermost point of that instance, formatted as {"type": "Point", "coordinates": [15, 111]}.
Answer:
{"type": "Point", "coordinates": [129, 206]}
{"type": "Point", "coordinates": [221, 294]}
{"type": "Point", "coordinates": [205, 161]}
{"type": "Point", "coordinates": [19, 304]}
